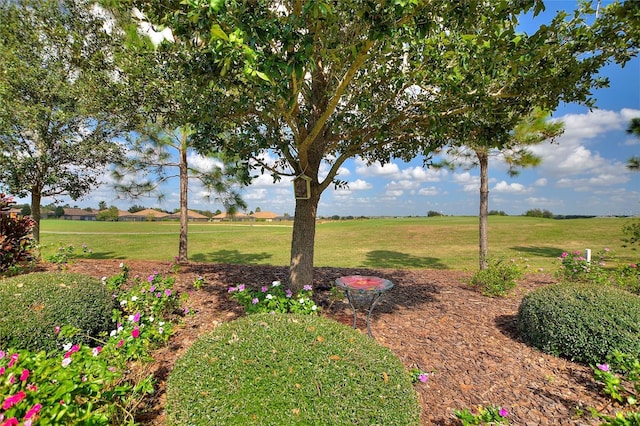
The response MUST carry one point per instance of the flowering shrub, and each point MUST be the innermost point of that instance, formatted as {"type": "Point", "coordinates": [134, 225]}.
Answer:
{"type": "Point", "coordinates": [491, 415]}
{"type": "Point", "coordinates": [89, 383]}
{"type": "Point", "coordinates": [574, 267]}
{"type": "Point", "coordinates": [274, 299]}
{"type": "Point", "coordinates": [16, 242]}
{"type": "Point", "coordinates": [62, 257]}
{"type": "Point", "coordinates": [621, 381]}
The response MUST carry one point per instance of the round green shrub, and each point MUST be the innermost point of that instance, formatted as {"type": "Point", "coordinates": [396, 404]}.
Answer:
{"type": "Point", "coordinates": [581, 322]}
{"type": "Point", "coordinates": [33, 305]}
{"type": "Point", "coordinates": [276, 369]}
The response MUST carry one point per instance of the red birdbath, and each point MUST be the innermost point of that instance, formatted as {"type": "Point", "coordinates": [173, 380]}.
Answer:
{"type": "Point", "coordinates": [363, 287]}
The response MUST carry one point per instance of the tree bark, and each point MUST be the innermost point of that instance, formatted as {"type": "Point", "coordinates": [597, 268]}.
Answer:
{"type": "Point", "coordinates": [184, 210]}
{"type": "Point", "coordinates": [483, 160]}
{"type": "Point", "coordinates": [303, 240]}
{"type": "Point", "coordinates": [36, 198]}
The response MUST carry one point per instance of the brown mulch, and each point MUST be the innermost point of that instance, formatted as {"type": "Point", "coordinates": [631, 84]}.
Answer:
{"type": "Point", "coordinates": [431, 320]}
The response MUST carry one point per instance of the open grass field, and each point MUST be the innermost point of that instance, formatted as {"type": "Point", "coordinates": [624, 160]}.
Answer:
{"type": "Point", "coordinates": [409, 243]}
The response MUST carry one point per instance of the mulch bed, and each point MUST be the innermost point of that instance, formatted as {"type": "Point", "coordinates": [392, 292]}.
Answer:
{"type": "Point", "coordinates": [431, 320]}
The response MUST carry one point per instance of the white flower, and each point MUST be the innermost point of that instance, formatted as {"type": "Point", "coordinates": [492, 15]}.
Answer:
{"type": "Point", "coordinates": [104, 280]}
{"type": "Point", "coordinates": [301, 300]}
{"type": "Point", "coordinates": [134, 298]}
{"type": "Point", "coordinates": [160, 330]}
{"type": "Point", "coordinates": [314, 307]}
{"type": "Point", "coordinates": [113, 333]}
{"type": "Point", "coordinates": [120, 329]}
{"type": "Point", "coordinates": [67, 346]}
{"type": "Point", "coordinates": [123, 302]}
{"type": "Point", "coordinates": [269, 296]}
{"type": "Point", "coordinates": [121, 265]}
{"type": "Point", "coordinates": [161, 323]}
{"type": "Point", "coordinates": [131, 318]}
{"type": "Point", "coordinates": [66, 362]}
{"type": "Point", "coordinates": [275, 283]}
{"type": "Point", "coordinates": [151, 319]}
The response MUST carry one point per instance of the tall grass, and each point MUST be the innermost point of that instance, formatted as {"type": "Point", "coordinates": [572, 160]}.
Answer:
{"type": "Point", "coordinates": [412, 243]}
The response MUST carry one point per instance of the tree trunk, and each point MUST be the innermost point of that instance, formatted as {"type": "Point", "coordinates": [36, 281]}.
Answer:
{"type": "Point", "coordinates": [184, 210]}
{"type": "Point", "coordinates": [484, 208]}
{"type": "Point", "coordinates": [36, 198]}
{"type": "Point", "coordinates": [303, 240]}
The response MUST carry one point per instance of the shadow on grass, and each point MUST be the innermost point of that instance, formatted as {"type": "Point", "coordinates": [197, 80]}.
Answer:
{"type": "Point", "coordinates": [394, 259]}
{"type": "Point", "coordinates": [105, 255]}
{"type": "Point", "coordinates": [549, 252]}
{"type": "Point", "coordinates": [231, 256]}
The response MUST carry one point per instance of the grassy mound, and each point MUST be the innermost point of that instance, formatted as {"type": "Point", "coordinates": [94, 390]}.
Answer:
{"type": "Point", "coordinates": [276, 369]}
{"type": "Point", "coordinates": [33, 305]}
{"type": "Point", "coordinates": [581, 322]}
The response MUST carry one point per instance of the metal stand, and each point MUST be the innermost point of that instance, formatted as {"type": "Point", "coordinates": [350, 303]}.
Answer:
{"type": "Point", "coordinates": [375, 297]}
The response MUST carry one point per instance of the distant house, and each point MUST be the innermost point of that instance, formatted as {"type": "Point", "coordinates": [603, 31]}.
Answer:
{"type": "Point", "coordinates": [79, 214]}
{"type": "Point", "coordinates": [148, 215]}
{"type": "Point", "coordinates": [267, 216]}
{"type": "Point", "coordinates": [225, 217]}
{"type": "Point", "coordinates": [191, 217]}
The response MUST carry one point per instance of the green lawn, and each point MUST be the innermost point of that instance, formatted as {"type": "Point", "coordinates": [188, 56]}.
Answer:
{"type": "Point", "coordinates": [412, 243]}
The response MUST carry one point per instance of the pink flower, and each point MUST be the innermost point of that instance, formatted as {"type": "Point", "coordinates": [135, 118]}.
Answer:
{"type": "Point", "coordinates": [11, 422]}
{"type": "Point", "coordinates": [307, 287]}
{"type": "Point", "coordinates": [167, 292]}
{"type": "Point", "coordinates": [57, 329]}
{"type": "Point", "coordinates": [563, 255]}
{"type": "Point", "coordinates": [95, 351]}
{"type": "Point", "coordinates": [503, 412]}
{"type": "Point", "coordinates": [255, 301]}
{"type": "Point", "coordinates": [25, 375]}
{"type": "Point", "coordinates": [12, 360]}
{"type": "Point", "coordinates": [264, 289]}
{"type": "Point", "coordinates": [33, 411]}
{"type": "Point", "coordinates": [10, 401]}
{"type": "Point", "coordinates": [151, 278]}
{"type": "Point", "coordinates": [66, 362]}
{"type": "Point", "coordinates": [241, 287]}
{"type": "Point", "coordinates": [135, 332]}
{"type": "Point", "coordinates": [152, 289]}
{"type": "Point", "coordinates": [120, 343]}
{"type": "Point", "coordinates": [603, 367]}
{"type": "Point", "coordinates": [423, 378]}
{"type": "Point", "coordinates": [231, 289]}
{"type": "Point", "coordinates": [32, 388]}
{"type": "Point", "coordinates": [289, 293]}
{"type": "Point", "coordinates": [2, 370]}
{"type": "Point", "coordinates": [2, 354]}
{"type": "Point", "coordinates": [136, 317]}
{"type": "Point", "coordinates": [633, 265]}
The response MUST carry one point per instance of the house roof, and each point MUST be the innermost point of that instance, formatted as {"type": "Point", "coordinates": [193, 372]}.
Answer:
{"type": "Point", "coordinates": [190, 213]}
{"type": "Point", "coordinates": [224, 215]}
{"type": "Point", "coordinates": [265, 215]}
{"type": "Point", "coordinates": [79, 212]}
{"type": "Point", "coordinates": [149, 212]}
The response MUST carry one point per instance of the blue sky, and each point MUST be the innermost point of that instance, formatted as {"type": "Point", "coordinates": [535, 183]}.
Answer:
{"type": "Point", "coordinates": [582, 173]}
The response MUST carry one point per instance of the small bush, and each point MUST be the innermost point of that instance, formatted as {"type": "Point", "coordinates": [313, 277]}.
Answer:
{"type": "Point", "coordinates": [581, 322]}
{"type": "Point", "coordinates": [33, 305]}
{"type": "Point", "coordinates": [275, 369]}
{"type": "Point", "coordinates": [498, 279]}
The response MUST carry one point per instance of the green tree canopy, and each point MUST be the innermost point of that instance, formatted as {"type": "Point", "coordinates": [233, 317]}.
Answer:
{"type": "Point", "coordinates": [320, 82]}
{"type": "Point", "coordinates": [58, 110]}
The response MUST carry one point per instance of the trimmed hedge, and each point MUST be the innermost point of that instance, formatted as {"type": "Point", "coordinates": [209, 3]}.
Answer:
{"type": "Point", "coordinates": [581, 322]}
{"type": "Point", "coordinates": [32, 305]}
{"type": "Point", "coordinates": [276, 369]}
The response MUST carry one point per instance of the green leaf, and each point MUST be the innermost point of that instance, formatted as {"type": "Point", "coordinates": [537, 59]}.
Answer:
{"type": "Point", "coordinates": [216, 5]}
{"type": "Point", "coordinates": [218, 33]}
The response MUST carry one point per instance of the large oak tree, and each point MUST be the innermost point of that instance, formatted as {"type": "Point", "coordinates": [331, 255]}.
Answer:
{"type": "Point", "coordinates": [322, 82]}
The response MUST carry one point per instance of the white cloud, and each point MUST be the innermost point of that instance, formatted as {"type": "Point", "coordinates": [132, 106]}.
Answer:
{"type": "Point", "coordinates": [512, 188]}
{"type": "Point", "coordinates": [375, 169]}
{"type": "Point", "coordinates": [429, 192]}
{"type": "Point", "coordinates": [468, 182]}
{"type": "Point", "coordinates": [541, 182]}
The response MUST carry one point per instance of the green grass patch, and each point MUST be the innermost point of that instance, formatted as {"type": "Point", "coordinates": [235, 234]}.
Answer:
{"type": "Point", "coordinates": [405, 243]}
{"type": "Point", "coordinates": [288, 369]}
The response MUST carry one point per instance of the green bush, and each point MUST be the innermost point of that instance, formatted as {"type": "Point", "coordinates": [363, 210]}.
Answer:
{"type": "Point", "coordinates": [581, 322]}
{"type": "Point", "coordinates": [33, 305]}
{"type": "Point", "coordinates": [498, 279]}
{"type": "Point", "coordinates": [275, 369]}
